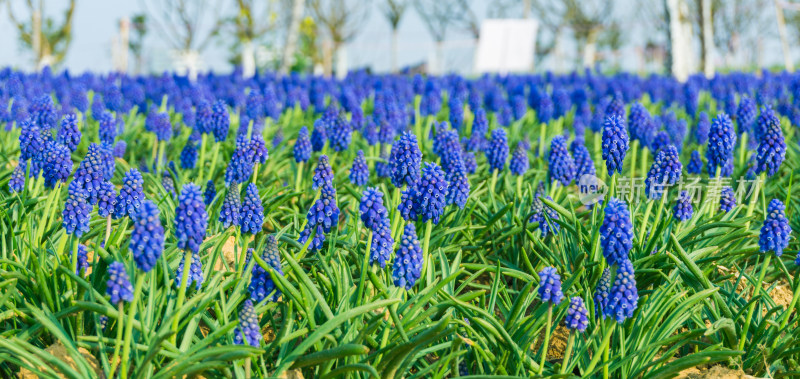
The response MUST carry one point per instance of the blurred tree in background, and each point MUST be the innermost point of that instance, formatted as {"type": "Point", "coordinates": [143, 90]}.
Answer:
{"type": "Point", "coordinates": [48, 40]}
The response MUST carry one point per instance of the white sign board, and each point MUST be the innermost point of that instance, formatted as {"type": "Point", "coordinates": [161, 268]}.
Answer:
{"type": "Point", "coordinates": [506, 45]}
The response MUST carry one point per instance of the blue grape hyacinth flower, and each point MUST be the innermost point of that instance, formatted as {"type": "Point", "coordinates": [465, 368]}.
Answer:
{"type": "Point", "coordinates": [323, 173]}
{"type": "Point", "coordinates": [702, 128]}
{"type": "Point", "coordinates": [550, 286]}
{"type": "Point", "coordinates": [302, 146]}
{"type": "Point", "coordinates": [210, 193]}
{"type": "Point", "coordinates": [57, 164]}
{"type": "Point", "coordinates": [251, 215]}
{"type": "Point", "coordinates": [188, 156]}
{"type": "Point", "coordinates": [118, 286]}
{"type": "Point", "coordinates": [69, 134]}
{"type": "Point", "coordinates": [602, 291]}
{"type": "Point", "coordinates": [371, 208]}
{"type": "Point", "coordinates": [616, 233]}
{"type": "Point", "coordinates": [75, 216]}
{"type": "Point", "coordinates": [776, 231]}
{"type": "Point", "coordinates": [261, 284]}
{"type": "Point", "coordinates": [381, 245]}
{"type": "Point", "coordinates": [771, 151]}
{"type": "Point", "coordinates": [519, 160]}
{"type": "Point", "coordinates": [191, 218]}
{"type": "Point", "coordinates": [248, 331]}
{"type": "Point", "coordinates": [727, 200]}
{"type": "Point", "coordinates": [319, 135]}
{"type": "Point", "coordinates": [615, 144]}
{"type": "Point", "coordinates": [623, 296]}
{"type": "Point", "coordinates": [583, 159]}
{"type": "Point", "coordinates": [405, 159]}
{"type": "Point", "coordinates": [147, 238]}
{"type": "Point", "coordinates": [561, 166]}
{"type": "Point", "coordinates": [220, 120]}
{"type": "Point", "coordinates": [408, 259]}
{"type": "Point", "coordinates": [721, 140]}
{"type": "Point", "coordinates": [105, 199]}
{"type": "Point", "coordinates": [83, 259]}
{"type": "Point", "coordinates": [427, 197]}
{"type": "Point", "coordinates": [577, 316]}
{"type": "Point", "coordinates": [458, 185]}
{"type": "Point", "coordinates": [665, 171]}
{"type": "Point", "coordinates": [359, 172]}
{"type": "Point", "coordinates": [130, 196]}
{"type": "Point", "coordinates": [90, 172]}
{"type": "Point", "coordinates": [497, 150]}
{"type": "Point", "coordinates": [258, 149]}
{"type": "Point", "coordinates": [321, 218]}
{"type": "Point", "coordinates": [695, 165]}
{"type": "Point", "coordinates": [17, 181]}
{"type": "Point", "coordinates": [195, 273]}
{"type": "Point", "coordinates": [683, 207]}
{"type": "Point", "coordinates": [231, 204]}
{"type": "Point", "coordinates": [545, 216]}
{"type": "Point", "coordinates": [107, 127]}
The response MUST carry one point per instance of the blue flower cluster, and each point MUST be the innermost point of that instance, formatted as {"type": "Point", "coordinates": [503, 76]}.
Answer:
{"type": "Point", "coordinates": [251, 215]}
{"type": "Point", "coordinates": [615, 143]}
{"type": "Point", "coordinates": [302, 146]}
{"type": "Point", "coordinates": [560, 163]}
{"type": "Point", "coordinates": [550, 286]}
{"type": "Point", "coordinates": [248, 331]}
{"type": "Point", "coordinates": [75, 216]}
{"type": "Point", "coordinates": [427, 197]}
{"type": "Point", "coordinates": [130, 195]}
{"type": "Point", "coordinates": [497, 151]}
{"type": "Point", "coordinates": [359, 173]}
{"type": "Point", "coordinates": [727, 200]}
{"type": "Point", "coordinates": [771, 151]}
{"type": "Point", "coordinates": [321, 218]}
{"type": "Point", "coordinates": [683, 207]}
{"type": "Point", "coordinates": [261, 284]}
{"type": "Point", "coordinates": [616, 233]}
{"type": "Point", "coordinates": [405, 160]}
{"type": "Point", "coordinates": [665, 171]}
{"type": "Point", "coordinates": [191, 219]}
{"type": "Point", "coordinates": [229, 212]}
{"type": "Point", "coordinates": [623, 296]}
{"type": "Point", "coordinates": [323, 173]}
{"type": "Point", "coordinates": [408, 260]}
{"type": "Point", "coordinates": [776, 231]}
{"type": "Point", "coordinates": [118, 286]}
{"type": "Point", "coordinates": [195, 272]}
{"type": "Point", "coordinates": [577, 316]}
{"type": "Point", "coordinates": [721, 140]}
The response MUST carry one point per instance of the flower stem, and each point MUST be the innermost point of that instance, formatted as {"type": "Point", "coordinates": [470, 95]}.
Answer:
{"type": "Point", "coordinates": [790, 309]}
{"type": "Point", "coordinates": [754, 199]}
{"type": "Point", "coordinates": [187, 264]}
{"type": "Point", "coordinates": [364, 266]}
{"type": "Point", "coordinates": [634, 150]}
{"type": "Point", "coordinates": [492, 184]}
{"type": "Point", "coordinates": [751, 310]}
{"type": "Point", "coordinates": [201, 162]}
{"type": "Point", "coordinates": [126, 346]}
{"type": "Point", "coordinates": [299, 178]}
{"type": "Point", "coordinates": [546, 342]}
{"type": "Point", "coordinates": [426, 262]}
{"type": "Point", "coordinates": [567, 352]}
{"type": "Point", "coordinates": [214, 156]}
{"type": "Point", "coordinates": [118, 344]}
{"type": "Point", "coordinates": [603, 347]}
{"type": "Point", "coordinates": [108, 231]}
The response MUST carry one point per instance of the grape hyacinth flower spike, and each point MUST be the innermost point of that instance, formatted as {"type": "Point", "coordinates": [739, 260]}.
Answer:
{"type": "Point", "coordinates": [130, 196]}
{"type": "Point", "coordinates": [323, 173]}
{"type": "Point", "coordinates": [75, 216]}
{"type": "Point", "coordinates": [261, 284]}
{"type": "Point", "coordinates": [615, 143]}
{"type": "Point", "coordinates": [721, 140]}
{"type": "Point", "coordinates": [321, 218]}
{"type": "Point", "coordinates": [776, 230]}
{"type": "Point", "coordinates": [408, 260]}
{"type": "Point", "coordinates": [616, 233]}
{"type": "Point", "coordinates": [623, 297]}
{"type": "Point", "coordinates": [550, 292]}
{"type": "Point", "coordinates": [405, 159]}
{"type": "Point", "coordinates": [191, 218]}
{"type": "Point", "coordinates": [683, 207]}
{"type": "Point", "coordinates": [248, 332]}
{"type": "Point", "coordinates": [147, 238]}
{"type": "Point", "coordinates": [561, 166]}
{"type": "Point", "coordinates": [118, 286]}
{"type": "Point", "coordinates": [359, 172]}
{"type": "Point", "coordinates": [251, 215]}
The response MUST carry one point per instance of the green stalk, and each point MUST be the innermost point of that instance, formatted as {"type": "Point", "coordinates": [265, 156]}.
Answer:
{"type": "Point", "coordinates": [754, 199]}
{"type": "Point", "coordinates": [603, 347]}
{"type": "Point", "coordinates": [162, 146]}
{"type": "Point", "coordinates": [201, 162]}
{"type": "Point", "coordinates": [255, 172]}
{"type": "Point", "coordinates": [492, 184]}
{"type": "Point", "coordinates": [659, 213]}
{"type": "Point", "coordinates": [126, 346]}
{"type": "Point", "coordinates": [644, 160]}
{"type": "Point", "coordinates": [298, 179]}
{"type": "Point", "coordinates": [567, 352]}
{"type": "Point", "coordinates": [417, 118]}
{"type": "Point", "coordinates": [519, 186]}
{"type": "Point", "coordinates": [247, 368]}
{"type": "Point", "coordinates": [214, 155]}
{"type": "Point", "coordinates": [742, 149]}
{"type": "Point", "coordinates": [364, 266]}
{"type": "Point", "coordinates": [546, 342]}
{"type": "Point", "coordinates": [634, 150]}
{"type": "Point", "coordinates": [108, 230]}
{"type": "Point", "coordinates": [542, 135]}
{"type": "Point", "coordinates": [115, 356]}
{"type": "Point", "coordinates": [425, 256]}
{"type": "Point", "coordinates": [187, 264]}
{"type": "Point", "coordinates": [756, 292]}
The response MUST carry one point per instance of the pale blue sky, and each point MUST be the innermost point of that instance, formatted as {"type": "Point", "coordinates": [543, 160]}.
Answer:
{"type": "Point", "coordinates": [96, 21]}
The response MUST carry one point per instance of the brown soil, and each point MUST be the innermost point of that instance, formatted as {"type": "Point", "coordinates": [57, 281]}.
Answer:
{"type": "Point", "coordinates": [291, 374]}
{"type": "Point", "coordinates": [269, 334]}
{"type": "Point", "coordinates": [558, 343]}
{"type": "Point", "coordinates": [228, 254]}
{"type": "Point", "coordinates": [60, 352]}
{"type": "Point", "coordinates": [782, 292]}
{"type": "Point", "coordinates": [713, 372]}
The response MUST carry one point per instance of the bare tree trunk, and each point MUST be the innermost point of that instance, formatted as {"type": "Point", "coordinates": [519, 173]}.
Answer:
{"type": "Point", "coordinates": [394, 49]}
{"type": "Point", "coordinates": [787, 55]}
{"type": "Point", "coordinates": [340, 53]}
{"type": "Point", "coordinates": [37, 39]}
{"type": "Point", "coordinates": [248, 59]}
{"type": "Point", "coordinates": [590, 48]}
{"type": "Point", "coordinates": [680, 28]}
{"type": "Point", "coordinates": [327, 57]}
{"type": "Point", "coordinates": [291, 36]}
{"type": "Point", "coordinates": [707, 42]}
{"type": "Point", "coordinates": [438, 65]}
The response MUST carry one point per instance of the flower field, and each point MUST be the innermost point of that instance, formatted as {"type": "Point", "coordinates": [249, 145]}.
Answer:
{"type": "Point", "coordinates": [586, 225]}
